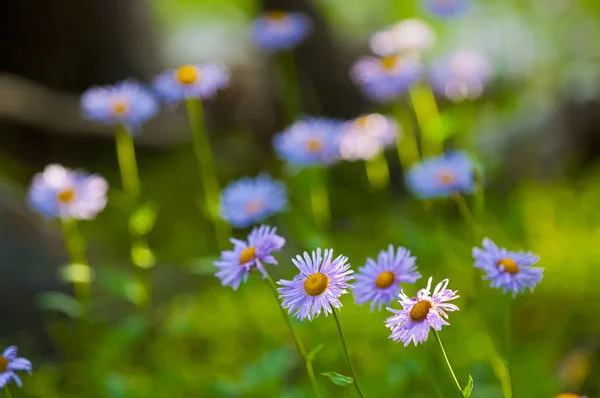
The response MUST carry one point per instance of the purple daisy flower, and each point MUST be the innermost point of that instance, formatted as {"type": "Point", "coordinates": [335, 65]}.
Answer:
{"type": "Point", "coordinates": [441, 176]}
{"type": "Point", "coordinates": [9, 363]}
{"type": "Point", "coordinates": [508, 270]}
{"type": "Point", "coordinates": [67, 194]}
{"type": "Point", "coordinates": [126, 103]}
{"type": "Point", "coordinates": [366, 136]}
{"type": "Point", "coordinates": [462, 75]}
{"type": "Point", "coordinates": [379, 281]}
{"type": "Point", "coordinates": [419, 314]}
{"type": "Point", "coordinates": [311, 141]}
{"type": "Point", "coordinates": [191, 81]}
{"type": "Point", "coordinates": [385, 79]}
{"type": "Point", "coordinates": [447, 8]}
{"type": "Point", "coordinates": [235, 265]}
{"type": "Point", "coordinates": [250, 200]}
{"type": "Point", "coordinates": [280, 30]}
{"type": "Point", "coordinates": [318, 286]}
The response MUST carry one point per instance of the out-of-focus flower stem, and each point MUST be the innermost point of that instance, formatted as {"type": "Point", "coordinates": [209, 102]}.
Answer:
{"type": "Point", "coordinates": [377, 171]}
{"type": "Point", "coordinates": [80, 269]}
{"type": "Point", "coordinates": [319, 198]}
{"type": "Point", "coordinates": [428, 118]}
{"type": "Point", "coordinates": [407, 146]}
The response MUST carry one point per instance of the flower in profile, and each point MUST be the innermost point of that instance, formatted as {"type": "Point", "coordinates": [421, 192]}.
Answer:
{"type": "Point", "coordinates": [191, 81]}
{"type": "Point", "coordinates": [379, 281]}
{"type": "Point", "coordinates": [462, 75]}
{"type": "Point", "coordinates": [235, 265]}
{"type": "Point", "coordinates": [441, 176]}
{"type": "Point", "coordinates": [419, 314]}
{"type": "Point", "coordinates": [318, 286]}
{"type": "Point", "coordinates": [250, 200]}
{"type": "Point", "coordinates": [67, 194]}
{"type": "Point", "coordinates": [126, 103]}
{"type": "Point", "coordinates": [447, 8]}
{"type": "Point", "coordinates": [9, 363]}
{"type": "Point", "coordinates": [509, 270]}
{"type": "Point", "coordinates": [407, 37]}
{"type": "Point", "coordinates": [280, 30]}
{"type": "Point", "coordinates": [367, 136]}
{"type": "Point", "coordinates": [385, 79]}
{"type": "Point", "coordinates": [309, 142]}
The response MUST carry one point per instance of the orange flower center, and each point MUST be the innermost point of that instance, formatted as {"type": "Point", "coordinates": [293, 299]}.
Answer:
{"type": "Point", "coordinates": [187, 74]}
{"type": "Point", "coordinates": [568, 395]}
{"type": "Point", "coordinates": [389, 63]}
{"type": "Point", "coordinates": [248, 254]}
{"type": "Point", "coordinates": [253, 207]}
{"type": "Point", "coordinates": [420, 310]}
{"type": "Point", "coordinates": [119, 106]}
{"type": "Point", "coordinates": [446, 177]}
{"type": "Point", "coordinates": [66, 196]}
{"type": "Point", "coordinates": [316, 284]}
{"type": "Point", "coordinates": [385, 279]}
{"type": "Point", "coordinates": [3, 364]}
{"type": "Point", "coordinates": [276, 15]}
{"type": "Point", "coordinates": [509, 265]}
{"type": "Point", "coordinates": [362, 121]}
{"type": "Point", "coordinates": [313, 145]}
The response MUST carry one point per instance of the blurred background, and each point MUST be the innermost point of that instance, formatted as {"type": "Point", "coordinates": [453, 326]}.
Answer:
{"type": "Point", "coordinates": [535, 129]}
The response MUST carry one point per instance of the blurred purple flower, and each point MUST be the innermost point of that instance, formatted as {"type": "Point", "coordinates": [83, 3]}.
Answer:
{"type": "Point", "coordinates": [367, 136]}
{"type": "Point", "coordinates": [126, 103]}
{"type": "Point", "coordinates": [235, 265]}
{"type": "Point", "coordinates": [192, 81]}
{"type": "Point", "coordinates": [462, 75]}
{"type": "Point", "coordinates": [507, 270]}
{"type": "Point", "coordinates": [379, 281]}
{"type": "Point", "coordinates": [441, 176]}
{"type": "Point", "coordinates": [447, 8]}
{"type": "Point", "coordinates": [63, 193]}
{"type": "Point", "coordinates": [9, 363]}
{"type": "Point", "coordinates": [419, 314]}
{"type": "Point", "coordinates": [407, 37]}
{"type": "Point", "coordinates": [318, 286]}
{"type": "Point", "coordinates": [279, 30]}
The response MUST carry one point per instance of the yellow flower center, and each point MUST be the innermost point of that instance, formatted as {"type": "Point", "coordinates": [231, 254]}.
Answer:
{"type": "Point", "coordinates": [119, 106]}
{"type": "Point", "coordinates": [276, 15]}
{"type": "Point", "coordinates": [253, 207]}
{"type": "Point", "coordinates": [187, 74]}
{"type": "Point", "coordinates": [3, 364]}
{"type": "Point", "coordinates": [316, 284]}
{"type": "Point", "coordinates": [385, 279]}
{"type": "Point", "coordinates": [389, 63]}
{"type": "Point", "coordinates": [313, 145]}
{"type": "Point", "coordinates": [568, 395]}
{"type": "Point", "coordinates": [248, 254]}
{"type": "Point", "coordinates": [446, 177]}
{"type": "Point", "coordinates": [509, 265]}
{"type": "Point", "coordinates": [420, 310]}
{"type": "Point", "coordinates": [362, 121]}
{"type": "Point", "coordinates": [66, 196]}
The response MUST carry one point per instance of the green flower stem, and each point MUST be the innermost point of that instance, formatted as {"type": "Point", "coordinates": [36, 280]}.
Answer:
{"type": "Point", "coordinates": [508, 336]}
{"type": "Point", "coordinates": [350, 367]}
{"type": "Point", "coordinates": [299, 345]}
{"type": "Point", "coordinates": [287, 84]}
{"type": "Point", "coordinates": [7, 392]}
{"type": "Point", "coordinates": [377, 171]}
{"type": "Point", "coordinates": [428, 118]}
{"type": "Point", "coordinates": [437, 338]}
{"type": "Point", "coordinates": [479, 195]}
{"type": "Point", "coordinates": [466, 214]}
{"type": "Point", "coordinates": [407, 146]}
{"type": "Point", "coordinates": [319, 198]}
{"type": "Point", "coordinates": [76, 248]}
{"type": "Point", "coordinates": [208, 174]}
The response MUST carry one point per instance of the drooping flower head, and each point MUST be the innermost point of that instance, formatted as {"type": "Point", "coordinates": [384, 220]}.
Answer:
{"type": "Point", "coordinates": [9, 363]}
{"type": "Point", "coordinates": [318, 286]}
{"type": "Point", "coordinates": [419, 314]}
{"type": "Point", "coordinates": [310, 142]}
{"type": "Point", "coordinates": [441, 176]}
{"type": "Point", "coordinates": [367, 136]}
{"type": "Point", "coordinates": [192, 81]}
{"type": "Point", "coordinates": [507, 270]}
{"type": "Point", "coordinates": [379, 281]}
{"type": "Point", "coordinates": [235, 265]}
{"type": "Point", "coordinates": [280, 30]}
{"type": "Point", "coordinates": [385, 79]}
{"type": "Point", "coordinates": [407, 37]}
{"type": "Point", "coordinates": [249, 200]}
{"type": "Point", "coordinates": [447, 8]}
{"type": "Point", "coordinates": [461, 75]}
{"type": "Point", "coordinates": [126, 103]}
{"type": "Point", "coordinates": [67, 194]}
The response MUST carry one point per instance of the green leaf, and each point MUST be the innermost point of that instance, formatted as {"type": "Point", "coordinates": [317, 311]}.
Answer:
{"type": "Point", "coordinates": [143, 219]}
{"type": "Point", "coordinates": [313, 353]}
{"type": "Point", "coordinates": [338, 379]}
{"type": "Point", "coordinates": [60, 302]}
{"type": "Point", "coordinates": [469, 388]}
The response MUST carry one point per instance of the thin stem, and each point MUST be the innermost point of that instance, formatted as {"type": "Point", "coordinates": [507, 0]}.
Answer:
{"type": "Point", "coordinates": [407, 146]}
{"type": "Point", "coordinates": [7, 391]}
{"type": "Point", "coordinates": [508, 336]}
{"type": "Point", "coordinates": [208, 174]}
{"type": "Point", "coordinates": [377, 171]}
{"type": "Point", "coordinates": [127, 162]}
{"type": "Point", "coordinates": [299, 345]}
{"type": "Point", "coordinates": [428, 117]}
{"type": "Point", "coordinates": [466, 214]}
{"type": "Point", "coordinates": [287, 84]}
{"type": "Point", "coordinates": [437, 338]}
{"type": "Point", "coordinates": [76, 248]}
{"type": "Point", "coordinates": [479, 195]}
{"type": "Point", "coordinates": [319, 198]}
{"type": "Point", "coordinates": [350, 367]}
